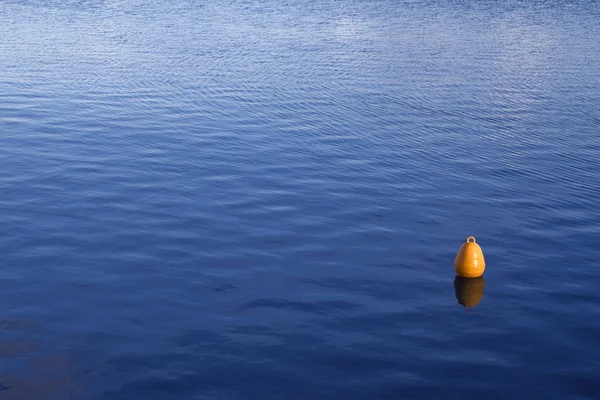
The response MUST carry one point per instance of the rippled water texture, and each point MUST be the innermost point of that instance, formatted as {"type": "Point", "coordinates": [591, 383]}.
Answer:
{"type": "Point", "coordinates": [263, 199]}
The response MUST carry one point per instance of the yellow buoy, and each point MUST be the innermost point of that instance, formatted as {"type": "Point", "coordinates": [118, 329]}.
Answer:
{"type": "Point", "coordinates": [469, 262]}
{"type": "Point", "coordinates": [469, 291]}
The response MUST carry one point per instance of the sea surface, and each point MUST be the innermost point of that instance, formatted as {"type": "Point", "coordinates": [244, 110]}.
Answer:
{"type": "Point", "coordinates": [263, 199]}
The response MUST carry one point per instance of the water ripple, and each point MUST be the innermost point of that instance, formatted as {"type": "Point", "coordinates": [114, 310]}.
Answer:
{"type": "Point", "coordinates": [263, 199]}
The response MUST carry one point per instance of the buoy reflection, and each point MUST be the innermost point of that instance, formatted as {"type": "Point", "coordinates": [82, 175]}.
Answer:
{"type": "Point", "coordinates": [469, 291]}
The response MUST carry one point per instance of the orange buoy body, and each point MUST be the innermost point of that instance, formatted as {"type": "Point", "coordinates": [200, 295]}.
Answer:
{"type": "Point", "coordinates": [469, 262]}
{"type": "Point", "coordinates": [469, 291]}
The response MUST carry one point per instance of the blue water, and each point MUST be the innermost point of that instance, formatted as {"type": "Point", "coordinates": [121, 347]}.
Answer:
{"type": "Point", "coordinates": [263, 199]}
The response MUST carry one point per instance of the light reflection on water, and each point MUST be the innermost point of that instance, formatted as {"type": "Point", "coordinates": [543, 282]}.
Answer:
{"type": "Point", "coordinates": [32, 372]}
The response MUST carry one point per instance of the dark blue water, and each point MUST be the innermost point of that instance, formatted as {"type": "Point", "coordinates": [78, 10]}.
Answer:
{"type": "Point", "coordinates": [263, 199]}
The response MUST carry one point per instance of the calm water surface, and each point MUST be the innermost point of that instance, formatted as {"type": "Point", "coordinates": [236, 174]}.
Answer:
{"type": "Point", "coordinates": [263, 199]}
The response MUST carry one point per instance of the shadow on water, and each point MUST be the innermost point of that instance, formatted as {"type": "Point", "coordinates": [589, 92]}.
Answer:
{"type": "Point", "coordinates": [27, 372]}
{"type": "Point", "coordinates": [469, 291]}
